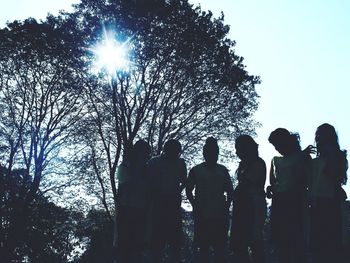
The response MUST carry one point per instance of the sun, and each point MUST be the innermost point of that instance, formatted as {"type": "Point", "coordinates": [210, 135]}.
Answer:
{"type": "Point", "coordinates": [111, 55]}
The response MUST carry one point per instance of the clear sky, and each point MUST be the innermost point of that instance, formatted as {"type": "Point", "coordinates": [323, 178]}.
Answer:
{"type": "Point", "coordinates": [301, 50]}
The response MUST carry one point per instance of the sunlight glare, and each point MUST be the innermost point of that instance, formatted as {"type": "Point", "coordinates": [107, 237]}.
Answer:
{"type": "Point", "coordinates": [111, 55]}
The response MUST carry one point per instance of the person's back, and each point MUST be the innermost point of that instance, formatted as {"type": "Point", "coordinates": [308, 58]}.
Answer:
{"type": "Point", "coordinates": [326, 177]}
{"type": "Point", "coordinates": [168, 172]}
{"type": "Point", "coordinates": [249, 204]}
{"type": "Point", "coordinates": [211, 186]}
{"type": "Point", "coordinates": [213, 197]}
{"type": "Point", "coordinates": [322, 183]}
{"type": "Point", "coordinates": [133, 201]}
{"type": "Point", "coordinates": [135, 181]}
{"type": "Point", "coordinates": [288, 173]}
{"type": "Point", "coordinates": [288, 179]}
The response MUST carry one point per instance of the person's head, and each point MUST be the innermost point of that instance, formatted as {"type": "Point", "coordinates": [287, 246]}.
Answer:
{"type": "Point", "coordinates": [326, 137]}
{"type": "Point", "coordinates": [211, 150]}
{"type": "Point", "coordinates": [172, 149]}
{"type": "Point", "coordinates": [284, 141]}
{"type": "Point", "coordinates": [327, 145]}
{"type": "Point", "coordinates": [246, 148]}
{"type": "Point", "coordinates": [141, 151]}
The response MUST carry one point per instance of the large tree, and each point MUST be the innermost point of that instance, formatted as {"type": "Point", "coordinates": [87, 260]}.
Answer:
{"type": "Point", "coordinates": [184, 81]}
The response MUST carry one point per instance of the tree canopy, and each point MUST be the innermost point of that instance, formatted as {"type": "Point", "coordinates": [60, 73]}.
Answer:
{"type": "Point", "coordinates": [61, 117]}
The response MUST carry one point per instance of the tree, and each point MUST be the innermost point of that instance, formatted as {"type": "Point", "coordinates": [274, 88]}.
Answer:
{"type": "Point", "coordinates": [99, 231]}
{"type": "Point", "coordinates": [185, 81]}
{"type": "Point", "coordinates": [40, 102]}
{"type": "Point", "coordinates": [49, 233]}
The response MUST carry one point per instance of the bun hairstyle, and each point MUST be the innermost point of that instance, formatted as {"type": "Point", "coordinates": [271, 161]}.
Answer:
{"type": "Point", "coordinates": [278, 135]}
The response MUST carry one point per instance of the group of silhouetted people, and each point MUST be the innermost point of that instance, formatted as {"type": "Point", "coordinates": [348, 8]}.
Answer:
{"type": "Point", "coordinates": [306, 211]}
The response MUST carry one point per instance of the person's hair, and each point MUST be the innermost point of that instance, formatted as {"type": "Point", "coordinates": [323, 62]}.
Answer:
{"type": "Point", "coordinates": [247, 144]}
{"type": "Point", "coordinates": [141, 147]}
{"type": "Point", "coordinates": [250, 152]}
{"type": "Point", "coordinates": [327, 143]}
{"type": "Point", "coordinates": [211, 149]}
{"type": "Point", "coordinates": [284, 137]}
{"type": "Point", "coordinates": [172, 147]}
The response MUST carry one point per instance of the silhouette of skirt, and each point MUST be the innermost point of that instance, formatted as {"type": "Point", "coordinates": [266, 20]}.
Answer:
{"type": "Point", "coordinates": [287, 219]}
{"type": "Point", "coordinates": [249, 213]}
{"type": "Point", "coordinates": [242, 222]}
{"type": "Point", "coordinates": [166, 217]}
{"type": "Point", "coordinates": [131, 230]}
{"type": "Point", "coordinates": [326, 229]}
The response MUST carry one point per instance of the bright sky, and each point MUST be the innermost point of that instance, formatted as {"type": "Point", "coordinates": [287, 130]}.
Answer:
{"type": "Point", "coordinates": [299, 48]}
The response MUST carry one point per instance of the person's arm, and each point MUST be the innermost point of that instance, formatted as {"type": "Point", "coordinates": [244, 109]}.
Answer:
{"type": "Point", "coordinates": [257, 175]}
{"type": "Point", "coordinates": [153, 178]}
{"type": "Point", "coordinates": [228, 187]}
{"type": "Point", "coordinates": [183, 176]}
{"type": "Point", "coordinates": [305, 178]}
{"type": "Point", "coordinates": [190, 185]}
{"type": "Point", "coordinates": [269, 189]}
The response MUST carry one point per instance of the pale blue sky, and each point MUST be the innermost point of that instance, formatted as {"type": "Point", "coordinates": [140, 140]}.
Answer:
{"type": "Point", "coordinates": [301, 50]}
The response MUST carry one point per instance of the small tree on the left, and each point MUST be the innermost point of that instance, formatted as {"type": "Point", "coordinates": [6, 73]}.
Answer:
{"type": "Point", "coordinates": [40, 103]}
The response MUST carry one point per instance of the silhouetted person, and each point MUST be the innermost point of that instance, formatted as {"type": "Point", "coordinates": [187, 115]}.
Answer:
{"type": "Point", "coordinates": [211, 182]}
{"type": "Point", "coordinates": [169, 174]}
{"type": "Point", "coordinates": [288, 185]}
{"type": "Point", "coordinates": [249, 204]}
{"type": "Point", "coordinates": [327, 175]}
{"type": "Point", "coordinates": [134, 192]}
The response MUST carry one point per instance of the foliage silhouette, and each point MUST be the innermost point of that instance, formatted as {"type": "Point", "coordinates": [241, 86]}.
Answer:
{"type": "Point", "coordinates": [185, 82]}
{"type": "Point", "coordinates": [40, 103]}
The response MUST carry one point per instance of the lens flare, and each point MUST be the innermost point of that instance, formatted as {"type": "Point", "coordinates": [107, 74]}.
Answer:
{"type": "Point", "coordinates": [111, 55]}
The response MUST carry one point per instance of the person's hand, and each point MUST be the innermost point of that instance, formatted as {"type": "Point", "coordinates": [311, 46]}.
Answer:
{"type": "Point", "coordinates": [269, 192]}
{"type": "Point", "coordinates": [228, 205]}
{"type": "Point", "coordinates": [193, 203]}
{"type": "Point", "coordinates": [310, 150]}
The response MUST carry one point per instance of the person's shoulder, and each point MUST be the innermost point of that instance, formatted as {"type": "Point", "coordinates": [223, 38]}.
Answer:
{"type": "Point", "coordinates": [181, 160]}
{"type": "Point", "coordinates": [197, 167]}
{"type": "Point", "coordinates": [260, 162]}
{"type": "Point", "coordinates": [278, 159]}
{"type": "Point", "coordinates": [123, 173]}
{"type": "Point", "coordinates": [222, 168]}
{"type": "Point", "coordinates": [318, 160]}
{"type": "Point", "coordinates": [123, 166]}
{"type": "Point", "coordinates": [154, 159]}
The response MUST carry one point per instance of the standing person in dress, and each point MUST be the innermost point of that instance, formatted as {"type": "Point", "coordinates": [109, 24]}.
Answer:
{"type": "Point", "coordinates": [249, 204]}
{"type": "Point", "coordinates": [211, 181]}
{"type": "Point", "coordinates": [134, 191]}
{"type": "Point", "coordinates": [288, 181]}
{"type": "Point", "coordinates": [328, 174]}
{"type": "Point", "coordinates": [169, 173]}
